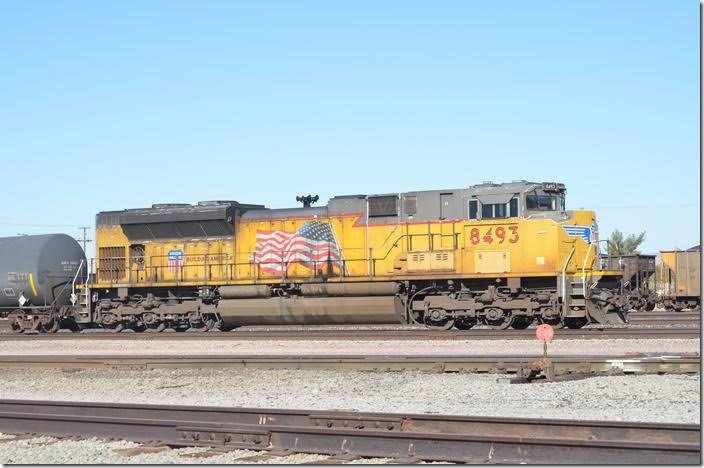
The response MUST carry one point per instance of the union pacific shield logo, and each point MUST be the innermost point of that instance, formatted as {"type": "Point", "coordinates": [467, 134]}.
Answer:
{"type": "Point", "coordinates": [586, 233]}
{"type": "Point", "coordinates": [175, 260]}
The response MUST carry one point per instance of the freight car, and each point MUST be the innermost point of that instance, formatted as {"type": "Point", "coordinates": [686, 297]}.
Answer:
{"type": "Point", "coordinates": [37, 277]}
{"type": "Point", "coordinates": [504, 255]}
{"type": "Point", "coordinates": [681, 275]}
{"type": "Point", "coordinates": [637, 270]}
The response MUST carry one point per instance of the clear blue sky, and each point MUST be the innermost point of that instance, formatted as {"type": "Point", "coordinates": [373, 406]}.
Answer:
{"type": "Point", "coordinates": [108, 105]}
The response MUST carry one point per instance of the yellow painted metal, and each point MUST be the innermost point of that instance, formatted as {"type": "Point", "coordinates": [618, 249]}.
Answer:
{"type": "Point", "coordinates": [31, 283]}
{"type": "Point", "coordinates": [681, 271]}
{"type": "Point", "coordinates": [515, 247]}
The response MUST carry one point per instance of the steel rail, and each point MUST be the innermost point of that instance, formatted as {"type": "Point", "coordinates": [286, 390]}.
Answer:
{"type": "Point", "coordinates": [405, 437]}
{"type": "Point", "coordinates": [634, 318]}
{"type": "Point", "coordinates": [683, 313]}
{"type": "Point", "coordinates": [664, 317]}
{"type": "Point", "coordinates": [317, 333]}
{"type": "Point", "coordinates": [563, 364]}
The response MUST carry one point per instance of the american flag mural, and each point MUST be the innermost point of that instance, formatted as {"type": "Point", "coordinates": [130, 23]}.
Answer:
{"type": "Point", "coordinates": [313, 245]}
{"type": "Point", "coordinates": [175, 261]}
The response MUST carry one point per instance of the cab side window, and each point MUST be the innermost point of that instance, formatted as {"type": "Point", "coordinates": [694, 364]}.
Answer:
{"type": "Point", "coordinates": [513, 208]}
{"type": "Point", "coordinates": [473, 209]}
{"type": "Point", "coordinates": [494, 210]}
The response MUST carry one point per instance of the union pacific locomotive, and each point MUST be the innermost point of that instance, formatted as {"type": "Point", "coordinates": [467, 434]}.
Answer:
{"type": "Point", "coordinates": [503, 255]}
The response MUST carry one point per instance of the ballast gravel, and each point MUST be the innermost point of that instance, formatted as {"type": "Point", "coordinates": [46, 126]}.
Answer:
{"type": "Point", "coordinates": [351, 347]}
{"type": "Point", "coordinates": [664, 398]}
{"type": "Point", "coordinates": [657, 398]}
{"type": "Point", "coordinates": [50, 450]}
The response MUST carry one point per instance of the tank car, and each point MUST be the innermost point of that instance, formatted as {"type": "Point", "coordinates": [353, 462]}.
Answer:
{"type": "Point", "coordinates": [37, 277]}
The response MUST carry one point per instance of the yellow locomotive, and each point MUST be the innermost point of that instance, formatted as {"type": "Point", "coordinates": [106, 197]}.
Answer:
{"type": "Point", "coordinates": [503, 255]}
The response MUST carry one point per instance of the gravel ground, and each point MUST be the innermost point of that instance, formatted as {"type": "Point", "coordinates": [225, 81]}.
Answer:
{"type": "Point", "coordinates": [667, 398]}
{"type": "Point", "coordinates": [328, 347]}
{"type": "Point", "coordinates": [49, 450]}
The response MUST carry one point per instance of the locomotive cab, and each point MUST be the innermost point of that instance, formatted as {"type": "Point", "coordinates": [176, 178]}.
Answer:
{"type": "Point", "coordinates": [549, 198]}
{"type": "Point", "coordinates": [517, 199]}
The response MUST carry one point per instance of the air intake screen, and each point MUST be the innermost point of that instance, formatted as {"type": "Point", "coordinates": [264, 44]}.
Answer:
{"type": "Point", "coordinates": [383, 206]}
{"type": "Point", "coordinates": [409, 205]}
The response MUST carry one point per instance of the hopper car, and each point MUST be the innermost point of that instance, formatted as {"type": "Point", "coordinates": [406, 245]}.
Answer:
{"type": "Point", "coordinates": [634, 288]}
{"type": "Point", "coordinates": [681, 275]}
{"type": "Point", "coordinates": [503, 255]}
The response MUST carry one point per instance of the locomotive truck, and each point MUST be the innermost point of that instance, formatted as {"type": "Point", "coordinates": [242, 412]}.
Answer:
{"type": "Point", "coordinates": [503, 255]}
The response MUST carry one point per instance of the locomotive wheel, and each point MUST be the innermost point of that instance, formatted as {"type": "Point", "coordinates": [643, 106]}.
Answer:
{"type": "Point", "coordinates": [437, 318]}
{"type": "Point", "coordinates": [575, 322]}
{"type": "Point", "coordinates": [497, 319]}
{"type": "Point", "coordinates": [113, 326]}
{"type": "Point", "coordinates": [197, 323]}
{"type": "Point", "coordinates": [465, 323]}
{"type": "Point", "coordinates": [156, 327]}
{"type": "Point", "coordinates": [202, 326]}
{"type": "Point", "coordinates": [444, 324]}
{"type": "Point", "coordinates": [499, 324]}
{"type": "Point", "coordinates": [554, 322]}
{"type": "Point", "coordinates": [111, 323]}
{"type": "Point", "coordinates": [521, 322]}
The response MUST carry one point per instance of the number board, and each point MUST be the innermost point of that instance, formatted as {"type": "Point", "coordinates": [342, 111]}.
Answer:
{"type": "Point", "coordinates": [494, 235]}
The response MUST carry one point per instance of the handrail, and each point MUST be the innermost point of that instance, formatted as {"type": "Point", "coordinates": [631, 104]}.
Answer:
{"type": "Point", "coordinates": [85, 288]}
{"type": "Point", "coordinates": [584, 268]}
{"type": "Point", "coordinates": [564, 278]}
{"type": "Point", "coordinates": [73, 283]}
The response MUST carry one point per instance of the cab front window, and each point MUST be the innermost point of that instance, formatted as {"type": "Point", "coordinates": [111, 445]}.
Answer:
{"type": "Point", "coordinates": [541, 202]}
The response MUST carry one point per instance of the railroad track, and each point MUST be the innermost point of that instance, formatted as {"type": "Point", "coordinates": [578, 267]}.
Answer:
{"type": "Point", "coordinates": [635, 318]}
{"type": "Point", "coordinates": [371, 334]}
{"type": "Point", "coordinates": [563, 365]}
{"type": "Point", "coordinates": [659, 318]}
{"type": "Point", "coordinates": [349, 435]}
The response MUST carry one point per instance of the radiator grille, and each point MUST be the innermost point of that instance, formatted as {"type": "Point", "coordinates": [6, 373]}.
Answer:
{"type": "Point", "coordinates": [111, 263]}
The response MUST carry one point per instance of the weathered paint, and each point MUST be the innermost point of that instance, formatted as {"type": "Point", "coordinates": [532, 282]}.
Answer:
{"type": "Point", "coordinates": [378, 252]}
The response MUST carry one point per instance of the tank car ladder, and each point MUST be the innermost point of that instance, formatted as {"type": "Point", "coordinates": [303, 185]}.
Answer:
{"type": "Point", "coordinates": [81, 301]}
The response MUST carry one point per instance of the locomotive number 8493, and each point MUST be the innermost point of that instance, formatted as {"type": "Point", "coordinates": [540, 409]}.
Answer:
{"type": "Point", "coordinates": [503, 255]}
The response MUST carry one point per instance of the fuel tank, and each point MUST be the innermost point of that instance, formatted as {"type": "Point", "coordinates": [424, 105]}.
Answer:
{"type": "Point", "coordinates": [38, 270]}
{"type": "Point", "coordinates": [298, 310]}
